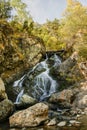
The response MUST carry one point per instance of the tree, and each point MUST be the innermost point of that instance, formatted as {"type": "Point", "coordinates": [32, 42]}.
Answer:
{"type": "Point", "coordinates": [5, 9]}
{"type": "Point", "coordinates": [19, 8]}
{"type": "Point", "coordinates": [49, 32]}
{"type": "Point", "coordinates": [28, 25]}
{"type": "Point", "coordinates": [74, 24]}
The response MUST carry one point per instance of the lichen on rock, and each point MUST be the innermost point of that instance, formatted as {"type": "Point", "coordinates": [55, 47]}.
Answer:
{"type": "Point", "coordinates": [18, 52]}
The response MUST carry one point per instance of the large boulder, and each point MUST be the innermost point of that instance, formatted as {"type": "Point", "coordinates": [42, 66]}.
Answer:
{"type": "Point", "coordinates": [75, 97]}
{"type": "Point", "coordinates": [68, 72]}
{"type": "Point", "coordinates": [65, 95]}
{"type": "Point", "coordinates": [18, 52]}
{"type": "Point", "coordinates": [81, 100]}
{"type": "Point", "coordinates": [68, 64]}
{"type": "Point", "coordinates": [3, 94]}
{"type": "Point", "coordinates": [6, 108]}
{"type": "Point", "coordinates": [80, 95]}
{"type": "Point", "coordinates": [30, 117]}
{"type": "Point", "coordinates": [62, 99]}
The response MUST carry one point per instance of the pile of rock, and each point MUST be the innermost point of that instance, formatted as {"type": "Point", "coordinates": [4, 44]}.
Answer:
{"type": "Point", "coordinates": [70, 105]}
{"type": "Point", "coordinates": [60, 110]}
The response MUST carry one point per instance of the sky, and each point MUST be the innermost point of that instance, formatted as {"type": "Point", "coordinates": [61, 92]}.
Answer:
{"type": "Point", "coordinates": [41, 10]}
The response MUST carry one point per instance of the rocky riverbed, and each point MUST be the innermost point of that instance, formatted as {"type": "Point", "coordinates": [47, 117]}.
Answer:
{"type": "Point", "coordinates": [82, 119]}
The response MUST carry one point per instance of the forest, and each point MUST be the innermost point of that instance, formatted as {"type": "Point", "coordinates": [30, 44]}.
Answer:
{"type": "Point", "coordinates": [69, 33]}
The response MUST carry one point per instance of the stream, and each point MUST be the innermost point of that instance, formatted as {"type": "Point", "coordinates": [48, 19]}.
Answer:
{"type": "Point", "coordinates": [39, 84]}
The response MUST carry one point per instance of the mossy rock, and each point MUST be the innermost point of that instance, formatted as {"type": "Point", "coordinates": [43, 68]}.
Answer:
{"type": "Point", "coordinates": [18, 51]}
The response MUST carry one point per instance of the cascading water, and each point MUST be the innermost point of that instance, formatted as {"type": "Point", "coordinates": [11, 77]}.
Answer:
{"type": "Point", "coordinates": [44, 83]}
{"type": "Point", "coordinates": [38, 83]}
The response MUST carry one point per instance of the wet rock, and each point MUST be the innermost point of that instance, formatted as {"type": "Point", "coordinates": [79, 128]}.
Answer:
{"type": "Point", "coordinates": [66, 118]}
{"type": "Point", "coordinates": [75, 123]}
{"type": "Point", "coordinates": [30, 117]}
{"type": "Point", "coordinates": [53, 114]}
{"type": "Point", "coordinates": [6, 108]}
{"type": "Point", "coordinates": [52, 122]}
{"type": "Point", "coordinates": [62, 123]}
{"type": "Point", "coordinates": [25, 101]}
{"type": "Point", "coordinates": [3, 94]}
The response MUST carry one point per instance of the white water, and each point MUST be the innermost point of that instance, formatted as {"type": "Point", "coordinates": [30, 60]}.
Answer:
{"type": "Point", "coordinates": [19, 96]}
{"type": "Point", "coordinates": [43, 84]}
{"type": "Point", "coordinates": [19, 82]}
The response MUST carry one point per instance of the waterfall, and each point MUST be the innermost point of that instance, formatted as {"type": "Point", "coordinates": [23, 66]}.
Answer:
{"type": "Point", "coordinates": [19, 82]}
{"type": "Point", "coordinates": [38, 82]}
{"type": "Point", "coordinates": [44, 82]}
{"type": "Point", "coordinates": [19, 96]}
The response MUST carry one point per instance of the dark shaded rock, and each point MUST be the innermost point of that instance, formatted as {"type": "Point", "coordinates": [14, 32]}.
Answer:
{"type": "Point", "coordinates": [59, 52]}
{"type": "Point", "coordinates": [6, 108]}
{"type": "Point", "coordinates": [30, 117]}
{"type": "Point", "coordinates": [52, 122]}
{"type": "Point", "coordinates": [53, 114]}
